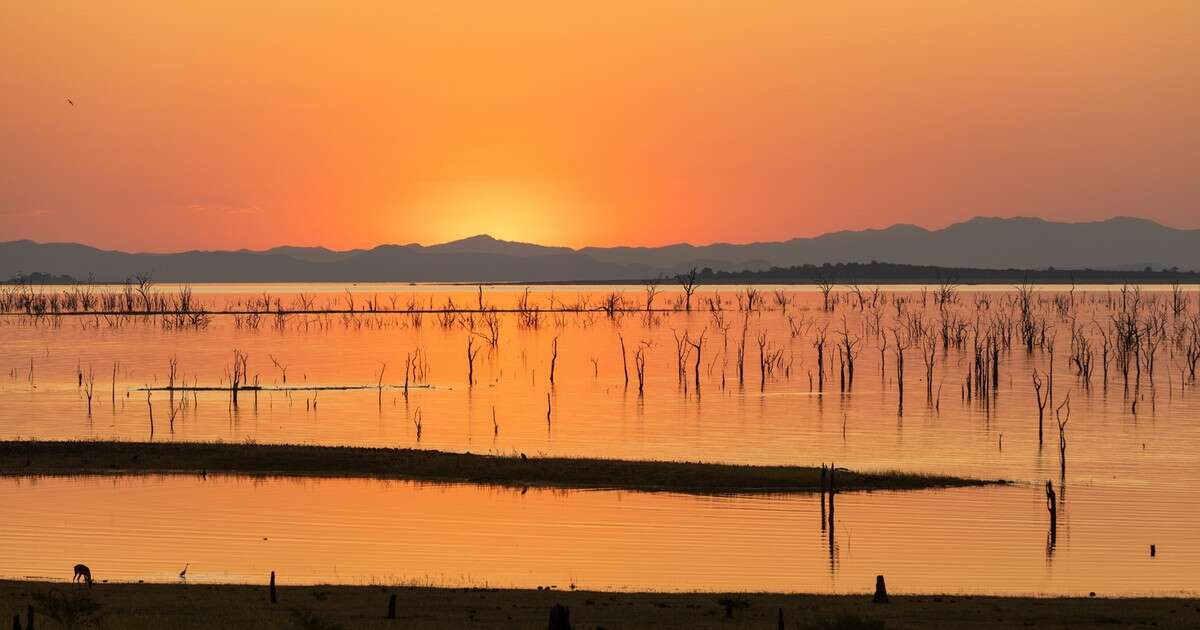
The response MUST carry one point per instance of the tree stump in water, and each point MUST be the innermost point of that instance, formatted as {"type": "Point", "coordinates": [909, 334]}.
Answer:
{"type": "Point", "coordinates": [560, 617]}
{"type": "Point", "coordinates": [391, 613]}
{"type": "Point", "coordinates": [780, 624]}
{"type": "Point", "coordinates": [881, 596]}
{"type": "Point", "coordinates": [273, 598]}
{"type": "Point", "coordinates": [17, 621]}
{"type": "Point", "coordinates": [29, 617]}
{"type": "Point", "coordinates": [1052, 507]}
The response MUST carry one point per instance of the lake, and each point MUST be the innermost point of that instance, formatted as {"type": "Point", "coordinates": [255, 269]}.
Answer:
{"type": "Point", "coordinates": [1130, 480]}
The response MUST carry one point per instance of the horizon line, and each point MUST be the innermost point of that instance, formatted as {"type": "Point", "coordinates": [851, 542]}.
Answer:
{"type": "Point", "coordinates": [1117, 217]}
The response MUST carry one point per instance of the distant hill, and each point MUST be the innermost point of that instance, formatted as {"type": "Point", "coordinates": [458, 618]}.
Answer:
{"type": "Point", "coordinates": [981, 243]}
{"type": "Point", "coordinates": [989, 243]}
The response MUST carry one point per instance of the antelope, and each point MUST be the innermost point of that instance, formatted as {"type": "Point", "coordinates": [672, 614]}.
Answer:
{"type": "Point", "coordinates": [82, 571]}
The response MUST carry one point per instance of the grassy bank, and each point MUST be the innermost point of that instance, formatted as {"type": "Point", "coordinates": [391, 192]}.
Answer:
{"type": "Point", "coordinates": [103, 457]}
{"type": "Point", "coordinates": [234, 607]}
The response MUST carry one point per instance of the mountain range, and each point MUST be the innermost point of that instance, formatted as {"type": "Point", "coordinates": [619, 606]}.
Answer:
{"type": "Point", "coordinates": [982, 242]}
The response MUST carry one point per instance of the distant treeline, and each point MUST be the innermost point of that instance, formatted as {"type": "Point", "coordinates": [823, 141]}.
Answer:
{"type": "Point", "coordinates": [38, 277]}
{"type": "Point", "coordinates": [873, 272]}
{"type": "Point", "coordinates": [891, 273]}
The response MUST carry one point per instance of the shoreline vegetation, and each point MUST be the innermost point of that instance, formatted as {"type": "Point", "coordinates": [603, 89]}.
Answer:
{"type": "Point", "coordinates": [59, 458]}
{"type": "Point", "coordinates": [875, 273]}
{"type": "Point", "coordinates": [181, 308]}
{"type": "Point", "coordinates": [185, 606]}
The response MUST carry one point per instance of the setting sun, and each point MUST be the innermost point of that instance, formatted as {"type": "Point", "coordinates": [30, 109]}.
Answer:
{"type": "Point", "coordinates": [517, 210]}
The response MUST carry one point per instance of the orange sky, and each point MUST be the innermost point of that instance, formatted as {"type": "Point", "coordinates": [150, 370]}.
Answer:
{"type": "Point", "coordinates": [217, 125]}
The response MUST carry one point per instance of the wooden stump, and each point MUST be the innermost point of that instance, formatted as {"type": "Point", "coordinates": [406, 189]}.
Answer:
{"type": "Point", "coordinates": [17, 621]}
{"type": "Point", "coordinates": [274, 599]}
{"type": "Point", "coordinates": [881, 596]}
{"type": "Point", "coordinates": [391, 613]}
{"type": "Point", "coordinates": [779, 625]}
{"type": "Point", "coordinates": [29, 617]}
{"type": "Point", "coordinates": [560, 617]}
{"type": "Point", "coordinates": [1052, 507]}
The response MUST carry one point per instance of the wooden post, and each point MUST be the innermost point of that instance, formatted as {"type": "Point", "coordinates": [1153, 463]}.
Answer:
{"type": "Point", "coordinates": [881, 596]}
{"type": "Point", "coordinates": [29, 617]}
{"type": "Point", "coordinates": [274, 599]}
{"type": "Point", "coordinates": [779, 625]}
{"type": "Point", "coordinates": [17, 622]}
{"type": "Point", "coordinates": [824, 482]}
{"type": "Point", "coordinates": [1153, 551]}
{"type": "Point", "coordinates": [391, 613]}
{"type": "Point", "coordinates": [560, 617]}
{"type": "Point", "coordinates": [1052, 507]}
{"type": "Point", "coordinates": [832, 491]}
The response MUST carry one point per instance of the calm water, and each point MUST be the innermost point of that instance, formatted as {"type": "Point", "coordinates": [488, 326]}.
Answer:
{"type": "Point", "coordinates": [1131, 474]}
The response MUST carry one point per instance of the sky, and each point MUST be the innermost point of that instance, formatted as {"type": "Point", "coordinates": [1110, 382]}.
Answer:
{"type": "Point", "coordinates": [222, 124]}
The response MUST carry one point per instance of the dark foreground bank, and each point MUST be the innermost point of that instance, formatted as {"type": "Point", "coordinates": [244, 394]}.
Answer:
{"type": "Point", "coordinates": [235, 607]}
{"type": "Point", "coordinates": [28, 457]}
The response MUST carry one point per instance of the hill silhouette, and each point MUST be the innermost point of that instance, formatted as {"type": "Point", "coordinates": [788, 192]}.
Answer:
{"type": "Point", "coordinates": [981, 243]}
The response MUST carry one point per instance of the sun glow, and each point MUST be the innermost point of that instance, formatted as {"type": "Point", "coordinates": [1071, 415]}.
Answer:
{"type": "Point", "coordinates": [514, 210]}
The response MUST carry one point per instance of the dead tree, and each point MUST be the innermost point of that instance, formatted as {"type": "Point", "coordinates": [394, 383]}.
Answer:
{"type": "Point", "coordinates": [689, 284]}
{"type": "Point", "coordinates": [928, 355]}
{"type": "Point", "coordinates": [698, 346]}
{"type": "Point", "coordinates": [639, 364]}
{"type": "Point", "coordinates": [1041, 402]}
{"type": "Point", "coordinates": [850, 349]}
{"type": "Point", "coordinates": [819, 344]}
{"type": "Point", "coordinates": [651, 293]}
{"type": "Point", "coordinates": [89, 388]}
{"type": "Point", "coordinates": [1062, 433]}
{"type": "Point", "coordinates": [471, 352]}
{"type": "Point", "coordinates": [624, 360]}
{"type": "Point", "coordinates": [900, 346]}
{"type": "Point", "coordinates": [238, 375]}
{"type": "Point", "coordinates": [826, 286]}
{"type": "Point", "coordinates": [553, 359]}
{"type": "Point", "coordinates": [741, 351]}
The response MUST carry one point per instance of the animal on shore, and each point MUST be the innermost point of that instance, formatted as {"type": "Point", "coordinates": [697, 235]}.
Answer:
{"type": "Point", "coordinates": [82, 571]}
{"type": "Point", "coordinates": [183, 573]}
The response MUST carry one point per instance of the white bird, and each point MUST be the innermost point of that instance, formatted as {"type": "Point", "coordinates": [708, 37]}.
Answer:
{"type": "Point", "coordinates": [183, 573]}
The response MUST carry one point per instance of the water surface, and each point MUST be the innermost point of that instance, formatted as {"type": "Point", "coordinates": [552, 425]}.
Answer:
{"type": "Point", "coordinates": [1131, 476]}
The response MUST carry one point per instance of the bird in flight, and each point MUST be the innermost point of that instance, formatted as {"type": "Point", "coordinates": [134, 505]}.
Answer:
{"type": "Point", "coordinates": [71, 103]}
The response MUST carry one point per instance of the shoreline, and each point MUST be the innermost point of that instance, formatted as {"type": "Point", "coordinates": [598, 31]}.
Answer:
{"type": "Point", "coordinates": [21, 458]}
{"type": "Point", "coordinates": [232, 606]}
